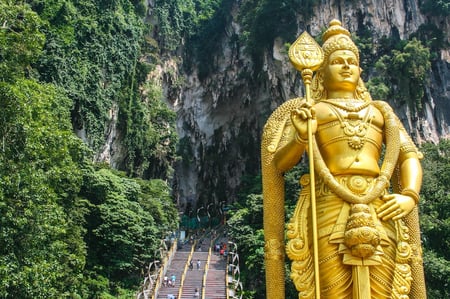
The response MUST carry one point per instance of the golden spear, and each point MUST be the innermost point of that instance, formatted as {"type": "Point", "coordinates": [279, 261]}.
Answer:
{"type": "Point", "coordinates": [307, 56]}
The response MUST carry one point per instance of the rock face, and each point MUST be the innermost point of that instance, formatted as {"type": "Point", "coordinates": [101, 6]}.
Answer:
{"type": "Point", "coordinates": [220, 119]}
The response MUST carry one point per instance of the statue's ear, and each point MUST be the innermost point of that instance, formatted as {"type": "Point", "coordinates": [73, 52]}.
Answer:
{"type": "Point", "coordinates": [360, 70]}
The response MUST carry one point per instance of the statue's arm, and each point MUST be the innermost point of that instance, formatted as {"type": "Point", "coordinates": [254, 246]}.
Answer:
{"type": "Point", "coordinates": [290, 153]}
{"type": "Point", "coordinates": [407, 180]}
{"type": "Point", "coordinates": [410, 168]}
{"type": "Point", "coordinates": [295, 136]}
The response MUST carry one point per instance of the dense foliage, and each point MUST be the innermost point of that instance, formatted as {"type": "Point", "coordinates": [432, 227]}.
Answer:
{"type": "Point", "coordinates": [70, 228]}
{"type": "Point", "coordinates": [264, 20]}
{"type": "Point", "coordinates": [42, 248]}
{"type": "Point", "coordinates": [93, 50]}
{"type": "Point", "coordinates": [406, 72]}
{"type": "Point", "coordinates": [436, 7]}
{"type": "Point", "coordinates": [435, 218]}
{"type": "Point", "coordinates": [199, 24]}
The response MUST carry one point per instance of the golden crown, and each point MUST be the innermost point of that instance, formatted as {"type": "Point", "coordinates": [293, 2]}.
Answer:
{"type": "Point", "coordinates": [337, 38]}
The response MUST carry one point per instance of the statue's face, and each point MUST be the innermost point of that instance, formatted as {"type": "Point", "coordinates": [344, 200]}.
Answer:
{"type": "Point", "coordinates": [342, 71]}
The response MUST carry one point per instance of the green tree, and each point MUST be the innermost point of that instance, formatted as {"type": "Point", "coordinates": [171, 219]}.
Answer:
{"type": "Point", "coordinates": [264, 20]}
{"type": "Point", "coordinates": [41, 245]}
{"type": "Point", "coordinates": [435, 218]}
{"type": "Point", "coordinates": [126, 221]}
{"type": "Point", "coordinates": [413, 62]}
{"type": "Point", "coordinates": [151, 137]}
{"type": "Point", "coordinates": [42, 250]}
{"type": "Point", "coordinates": [21, 40]}
{"type": "Point", "coordinates": [436, 7]}
{"type": "Point", "coordinates": [246, 230]}
{"type": "Point", "coordinates": [407, 71]}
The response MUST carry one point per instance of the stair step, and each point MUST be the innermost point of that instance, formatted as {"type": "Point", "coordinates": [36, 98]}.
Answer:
{"type": "Point", "coordinates": [215, 287]}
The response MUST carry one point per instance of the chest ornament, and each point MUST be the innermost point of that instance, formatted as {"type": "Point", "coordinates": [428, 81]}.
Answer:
{"type": "Point", "coordinates": [353, 125]}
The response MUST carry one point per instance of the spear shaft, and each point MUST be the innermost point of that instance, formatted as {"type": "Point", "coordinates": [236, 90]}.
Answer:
{"type": "Point", "coordinates": [307, 56]}
{"type": "Point", "coordinates": [307, 76]}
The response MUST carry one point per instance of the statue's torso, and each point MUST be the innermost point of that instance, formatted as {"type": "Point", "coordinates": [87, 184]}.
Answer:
{"type": "Point", "coordinates": [350, 140]}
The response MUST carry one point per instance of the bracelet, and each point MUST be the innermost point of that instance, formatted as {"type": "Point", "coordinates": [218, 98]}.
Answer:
{"type": "Point", "coordinates": [300, 139]}
{"type": "Point", "coordinates": [411, 193]}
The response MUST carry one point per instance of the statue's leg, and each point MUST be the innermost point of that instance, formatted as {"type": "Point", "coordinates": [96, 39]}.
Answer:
{"type": "Point", "coordinates": [381, 277]}
{"type": "Point", "coordinates": [335, 277]}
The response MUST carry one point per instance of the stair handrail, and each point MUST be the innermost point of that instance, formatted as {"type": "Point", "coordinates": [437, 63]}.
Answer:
{"type": "Point", "coordinates": [205, 274]}
{"type": "Point", "coordinates": [165, 263]}
{"type": "Point", "coordinates": [227, 278]}
{"type": "Point", "coordinates": [186, 266]}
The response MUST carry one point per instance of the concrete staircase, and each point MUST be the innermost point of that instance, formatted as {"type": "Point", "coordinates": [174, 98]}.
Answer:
{"type": "Point", "coordinates": [215, 281]}
{"type": "Point", "coordinates": [215, 286]}
{"type": "Point", "coordinates": [176, 267]}
{"type": "Point", "coordinates": [194, 277]}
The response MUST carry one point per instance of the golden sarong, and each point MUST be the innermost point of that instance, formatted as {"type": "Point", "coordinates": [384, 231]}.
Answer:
{"type": "Point", "coordinates": [342, 275]}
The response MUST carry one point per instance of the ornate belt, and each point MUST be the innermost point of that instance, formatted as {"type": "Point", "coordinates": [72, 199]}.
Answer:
{"type": "Point", "coordinates": [357, 184]}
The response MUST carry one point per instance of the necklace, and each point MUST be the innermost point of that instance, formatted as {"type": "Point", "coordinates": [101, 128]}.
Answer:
{"type": "Point", "coordinates": [354, 126]}
{"type": "Point", "coordinates": [346, 105]}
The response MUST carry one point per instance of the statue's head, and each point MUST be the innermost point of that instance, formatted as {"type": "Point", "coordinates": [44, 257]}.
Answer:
{"type": "Point", "coordinates": [337, 42]}
{"type": "Point", "coordinates": [337, 38]}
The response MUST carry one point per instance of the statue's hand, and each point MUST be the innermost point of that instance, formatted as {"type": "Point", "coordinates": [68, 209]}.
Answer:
{"type": "Point", "coordinates": [396, 206]}
{"type": "Point", "coordinates": [299, 118]}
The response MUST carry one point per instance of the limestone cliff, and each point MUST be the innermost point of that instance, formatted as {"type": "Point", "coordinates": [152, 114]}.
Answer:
{"type": "Point", "coordinates": [220, 117]}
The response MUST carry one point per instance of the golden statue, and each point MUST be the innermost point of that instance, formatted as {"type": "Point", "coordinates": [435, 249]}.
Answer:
{"type": "Point", "coordinates": [349, 237]}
